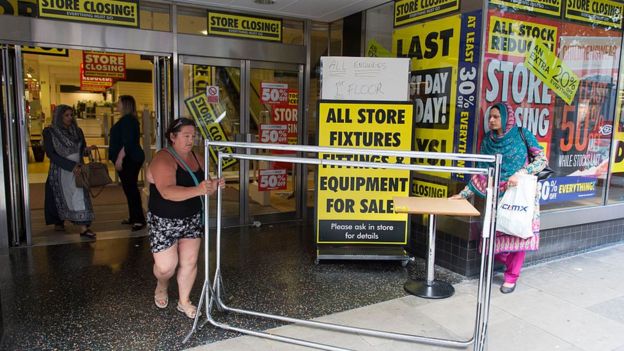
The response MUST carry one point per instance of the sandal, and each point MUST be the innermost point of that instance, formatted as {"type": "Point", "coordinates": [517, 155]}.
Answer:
{"type": "Point", "coordinates": [88, 233]}
{"type": "Point", "coordinates": [190, 310]}
{"type": "Point", "coordinates": [161, 302]}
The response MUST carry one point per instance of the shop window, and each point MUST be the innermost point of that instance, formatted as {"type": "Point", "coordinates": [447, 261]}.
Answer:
{"type": "Point", "coordinates": [576, 125]}
{"type": "Point", "coordinates": [192, 21]}
{"type": "Point", "coordinates": [335, 38]}
{"type": "Point", "coordinates": [616, 184]}
{"type": "Point", "coordinates": [155, 16]}
{"type": "Point", "coordinates": [292, 32]}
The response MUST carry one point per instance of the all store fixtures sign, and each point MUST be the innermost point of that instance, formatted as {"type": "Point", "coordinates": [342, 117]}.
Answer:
{"type": "Point", "coordinates": [104, 64]}
{"type": "Point", "coordinates": [355, 205]}
{"type": "Point", "coordinates": [116, 12]}
{"type": "Point", "coordinates": [408, 11]}
{"type": "Point", "coordinates": [248, 27]}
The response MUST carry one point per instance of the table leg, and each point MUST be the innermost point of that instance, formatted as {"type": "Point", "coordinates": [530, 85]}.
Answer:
{"type": "Point", "coordinates": [430, 288]}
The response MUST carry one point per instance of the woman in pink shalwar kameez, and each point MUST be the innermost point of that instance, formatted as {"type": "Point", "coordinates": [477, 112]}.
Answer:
{"type": "Point", "coordinates": [504, 138]}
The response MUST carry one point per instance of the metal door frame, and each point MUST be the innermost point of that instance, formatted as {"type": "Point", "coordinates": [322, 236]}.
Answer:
{"type": "Point", "coordinates": [19, 184]}
{"type": "Point", "coordinates": [244, 135]}
{"type": "Point", "coordinates": [15, 126]}
{"type": "Point", "coordinates": [5, 92]}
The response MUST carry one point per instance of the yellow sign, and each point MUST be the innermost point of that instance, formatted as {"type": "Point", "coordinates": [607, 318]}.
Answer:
{"type": "Point", "coordinates": [354, 204]}
{"type": "Point", "coordinates": [239, 26]}
{"type": "Point", "coordinates": [408, 11]}
{"type": "Point", "coordinates": [117, 12]}
{"type": "Point", "coordinates": [434, 49]}
{"type": "Point", "coordinates": [603, 12]}
{"type": "Point", "coordinates": [8, 7]}
{"type": "Point", "coordinates": [546, 7]}
{"type": "Point", "coordinates": [375, 49]}
{"type": "Point", "coordinates": [205, 116]}
{"type": "Point", "coordinates": [201, 78]}
{"type": "Point", "coordinates": [45, 51]}
{"type": "Point", "coordinates": [617, 158]}
{"type": "Point", "coordinates": [427, 189]}
{"type": "Point", "coordinates": [513, 37]}
{"type": "Point", "coordinates": [553, 72]}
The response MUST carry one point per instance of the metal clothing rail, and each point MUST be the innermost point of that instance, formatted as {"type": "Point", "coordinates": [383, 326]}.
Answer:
{"type": "Point", "coordinates": [211, 293]}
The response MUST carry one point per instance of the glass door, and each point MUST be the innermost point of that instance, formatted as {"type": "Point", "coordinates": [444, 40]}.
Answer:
{"type": "Point", "coordinates": [274, 111]}
{"type": "Point", "coordinates": [220, 81]}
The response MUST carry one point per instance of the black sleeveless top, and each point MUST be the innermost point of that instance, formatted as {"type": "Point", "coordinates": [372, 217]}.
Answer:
{"type": "Point", "coordinates": [177, 209]}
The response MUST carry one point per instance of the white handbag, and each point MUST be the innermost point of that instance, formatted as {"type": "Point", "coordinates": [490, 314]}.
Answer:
{"type": "Point", "coordinates": [514, 215]}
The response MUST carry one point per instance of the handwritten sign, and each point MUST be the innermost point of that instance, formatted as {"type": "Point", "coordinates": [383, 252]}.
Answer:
{"type": "Point", "coordinates": [365, 78]}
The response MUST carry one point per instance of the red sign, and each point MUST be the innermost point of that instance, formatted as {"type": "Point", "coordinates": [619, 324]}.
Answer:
{"type": "Point", "coordinates": [212, 94]}
{"type": "Point", "coordinates": [272, 179]}
{"type": "Point", "coordinates": [94, 84]}
{"type": "Point", "coordinates": [273, 93]}
{"type": "Point", "coordinates": [273, 134]}
{"type": "Point", "coordinates": [104, 65]}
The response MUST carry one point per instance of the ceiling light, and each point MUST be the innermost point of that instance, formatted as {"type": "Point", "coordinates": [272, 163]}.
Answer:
{"type": "Point", "coordinates": [28, 75]}
{"type": "Point", "coordinates": [264, 2]}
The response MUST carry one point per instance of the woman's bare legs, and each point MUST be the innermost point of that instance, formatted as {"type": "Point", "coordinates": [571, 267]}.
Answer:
{"type": "Point", "coordinates": [188, 251]}
{"type": "Point", "coordinates": [165, 263]}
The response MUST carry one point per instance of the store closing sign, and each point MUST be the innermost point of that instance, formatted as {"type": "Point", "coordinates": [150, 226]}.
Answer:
{"type": "Point", "coordinates": [117, 12]}
{"type": "Point", "coordinates": [38, 50]}
{"type": "Point", "coordinates": [205, 115]}
{"type": "Point", "coordinates": [105, 65]}
{"type": "Point", "coordinates": [231, 25]}
{"type": "Point", "coordinates": [94, 84]}
{"type": "Point", "coordinates": [546, 7]}
{"type": "Point", "coordinates": [356, 205]}
{"type": "Point", "coordinates": [408, 11]}
{"type": "Point", "coordinates": [603, 12]}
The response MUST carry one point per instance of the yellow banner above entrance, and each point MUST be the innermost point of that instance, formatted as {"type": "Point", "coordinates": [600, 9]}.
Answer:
{"type": "Point", "coordinates": [240, 26]}
{"type": "Point", "coordinates": [38, 50]}
{"type": "Point", "coordinates": [116, 12]}
{"type": "Point", "coordinates": [408, 11]}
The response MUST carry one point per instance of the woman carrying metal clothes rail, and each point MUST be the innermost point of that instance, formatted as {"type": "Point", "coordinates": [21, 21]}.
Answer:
{"type": "Point", "coordinates": [504, 138]}
{"type": "Point", "coordinates": [175, 216]}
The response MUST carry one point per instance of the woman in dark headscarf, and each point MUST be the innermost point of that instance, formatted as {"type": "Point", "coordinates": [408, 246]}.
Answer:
{"type": "Point", "coordinates": [504, 138]}
{"type": "Point", "coordinates": [65, 146]}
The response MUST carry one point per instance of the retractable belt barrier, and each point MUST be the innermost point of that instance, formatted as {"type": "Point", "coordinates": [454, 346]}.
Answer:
{"type": "Point", "coordinates": [211, 294]}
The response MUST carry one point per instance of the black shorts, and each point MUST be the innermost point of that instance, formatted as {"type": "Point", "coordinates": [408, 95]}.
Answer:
{"type": "Point", "coordinates": [165, 232]}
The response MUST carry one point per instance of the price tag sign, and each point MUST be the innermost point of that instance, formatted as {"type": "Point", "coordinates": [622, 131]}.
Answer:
{"type": "Point", "coordinates": [273, 93]}
{"type": "Point", "coordinates": [552, 71]}
{"type": "Point", "coordinates": [273, 133]}
{"type": "Point", "coordinates": [271, 179]}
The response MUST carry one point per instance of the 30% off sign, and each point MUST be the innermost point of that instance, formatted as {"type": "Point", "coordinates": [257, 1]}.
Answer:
{"type": "Point", "coordinates": [271, 179]}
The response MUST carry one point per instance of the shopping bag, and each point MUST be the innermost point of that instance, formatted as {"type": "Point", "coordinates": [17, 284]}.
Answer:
{"type": "Point", "coordinates": [514, 215]}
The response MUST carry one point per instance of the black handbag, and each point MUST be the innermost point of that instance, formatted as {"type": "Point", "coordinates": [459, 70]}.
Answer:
{"type": "Point", "coordinates": [93, 174]}
{"type": "Point", "coordinates": [545, 173]}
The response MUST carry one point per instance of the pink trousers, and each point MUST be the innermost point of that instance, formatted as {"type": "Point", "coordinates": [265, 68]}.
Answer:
{"type": "Point", "coordinates": [513, 262]}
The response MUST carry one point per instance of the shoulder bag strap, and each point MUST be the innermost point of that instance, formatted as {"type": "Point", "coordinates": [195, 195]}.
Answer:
{"type": "Point", "coordinates": [529, 156]}
{"type": "Point", "coordinates": [188, 169]}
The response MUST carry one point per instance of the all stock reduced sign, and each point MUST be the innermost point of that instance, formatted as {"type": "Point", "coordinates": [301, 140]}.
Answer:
{"type": "Point", "coordinates": [355, 205]}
